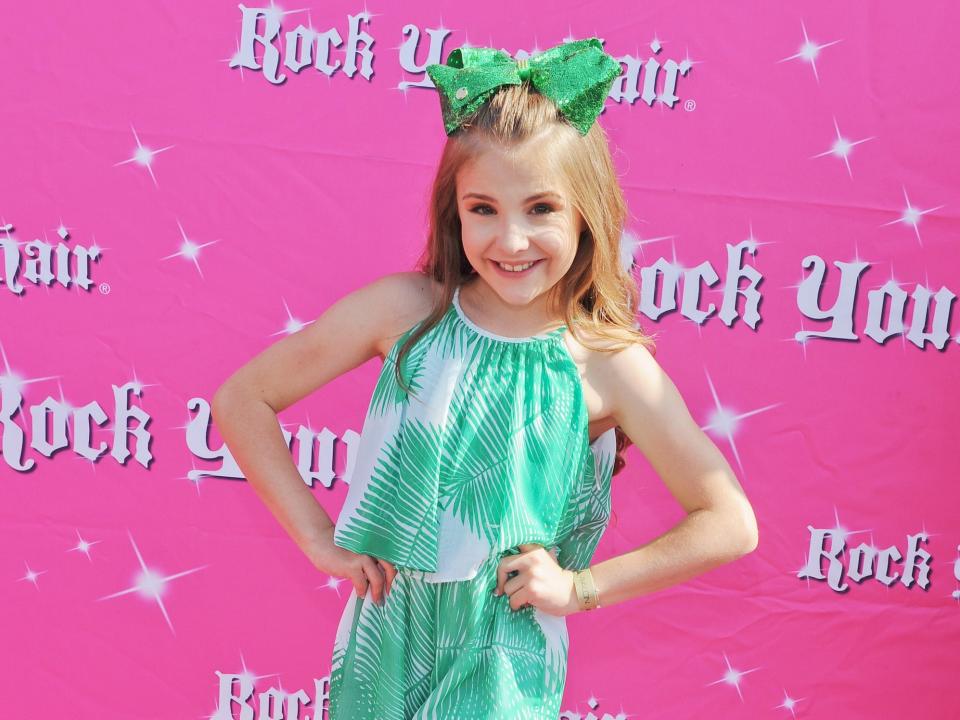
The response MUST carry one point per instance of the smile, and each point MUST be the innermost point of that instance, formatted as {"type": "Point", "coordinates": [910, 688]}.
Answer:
{"type": "Point", "coordinates": [518, 269]}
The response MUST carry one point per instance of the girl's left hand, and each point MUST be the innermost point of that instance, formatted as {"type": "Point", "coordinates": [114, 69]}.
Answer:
{"type": "Point", "coordinates": [539, 581]}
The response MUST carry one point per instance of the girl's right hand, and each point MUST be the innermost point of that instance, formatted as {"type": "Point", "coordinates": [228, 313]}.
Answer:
{"type": "Point", "coordinates": [362, 570]}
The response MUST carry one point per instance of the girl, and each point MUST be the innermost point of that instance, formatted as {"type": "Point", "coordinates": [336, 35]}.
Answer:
{"type": "Point", "coordinates": [513, 378]}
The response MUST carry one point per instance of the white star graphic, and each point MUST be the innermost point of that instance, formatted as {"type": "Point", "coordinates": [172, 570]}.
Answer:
{"type": "Point", "coordinates": [809, 51]}
{"type": "Point", "coordinates": [84, 546]}
{"type": "Point", "coordinates": [840, 532]}
{"type": "Point", "coordinates": [630, 243]}
{"type": "Point", "coordinates": [732, 676]}
{"type": "Point", "coordinates": [292, 325]}
{"type": "Point", "coordinates": [143, 156]}
{"type": "Point", "coordinates": [32, 575]}
{"type": "Point", "coordinates": [150, 584]}
{"type": "Point", "coordinates": [10, 379]}
{"type": "Point", "coordinates": [234, 60]}
{"type": "Point", "coordinates": [842, 147]}
{"type": "Point", "coordinates": [789, 703]}
{"type": "Point", "coordinates": [724, 421]}
{"type": "Point", "coordinates": [63, 231]}
{"type": "Point", "coordinates": [911, 216]}
{"type": "Point", "coordinates": [246, 675]}
{"type": "Point", "coordinates": [275, 14]}
{"type": "Point", "coordinates": [332, 583]}
{"type": "Point", "coordinates": [189, 250]}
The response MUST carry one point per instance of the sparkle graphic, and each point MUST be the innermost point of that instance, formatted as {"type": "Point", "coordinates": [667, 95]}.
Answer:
{"type": "Point", "coordinates": [32, 575]}
{"type": "Point", "coordinates": [136, 385]}
{"type": "Point", "coordinates": [840, 533]}
{"type": "Point", "coordinates": [243, 677]}
{"type": "Point", "coordinates": [332, 583]}
{"type": "Point", "coordinates": [842, 147]}
{"type": "Point", "coordinates": [911, 216]}
{"type": "Point", "coordinates": [593, 703]}
{"type": "Point", "coordinates": [274, 13]}
{"type": "Point", "coordinates": [63, 231]}
{"type": "Point", "coordinates": [292, 325]}
{"type": "Point", "coordinates": [687, 63]}
{"type": "Point", "coordinates": [732, 676]}
{"type": "Point", "coordinates": [143, 156]}
{"type": "Point", "coordinates": [150, 584]}
{"type": "Point", "coordinates": [809, 51]}
{"type": "Point", "coordinates": [789, 703]}
{"type": "Point", "coordinates": [753, 242]}
{"type": "Point", "coordinates": [630, 242]}
{"type": "Point", "coordinates": [725, 422]}
{"type": "Point", "coordinates": [84, 546]}
{"type": "Point", "coordinates": [234, 61]}
{"type": "Point", "coordinates": [14, 382]}
{"type": "Point", "coordinates": [189, 250]}
{"type": "Point", "coordinates": [194, 475]}
{"type": "Point", "coordinates": [800, 337]}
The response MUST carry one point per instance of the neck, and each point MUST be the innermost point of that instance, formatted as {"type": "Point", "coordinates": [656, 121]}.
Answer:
{"type": "Point", "coordinates": [531, 318]}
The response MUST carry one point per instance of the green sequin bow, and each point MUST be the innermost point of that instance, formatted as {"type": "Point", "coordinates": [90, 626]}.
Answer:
{"type": "Point", "coordinates": [575, 75]}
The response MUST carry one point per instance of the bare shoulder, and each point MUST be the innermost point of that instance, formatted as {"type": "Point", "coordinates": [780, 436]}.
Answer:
{"type": "Point", "coordinates": [601, 366]}
{"type": "Point", "coordinates": [403, 299]}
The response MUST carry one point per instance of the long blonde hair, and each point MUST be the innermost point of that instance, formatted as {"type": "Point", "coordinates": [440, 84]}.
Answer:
{"type": "Point", "coordinates": [597, 294]}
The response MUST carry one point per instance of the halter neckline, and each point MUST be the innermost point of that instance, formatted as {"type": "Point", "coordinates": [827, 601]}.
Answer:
{"type": "Point", "coordinates": [550, 335]}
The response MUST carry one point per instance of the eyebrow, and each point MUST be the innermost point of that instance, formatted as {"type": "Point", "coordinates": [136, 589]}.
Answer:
{"type": "Point", "coordinates": [481, 196]}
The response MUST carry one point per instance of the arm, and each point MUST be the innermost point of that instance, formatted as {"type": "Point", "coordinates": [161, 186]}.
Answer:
{"type": "Point", "coordinates": [720, 525]}
{"type": "Point", "coordinates": [245, 407]}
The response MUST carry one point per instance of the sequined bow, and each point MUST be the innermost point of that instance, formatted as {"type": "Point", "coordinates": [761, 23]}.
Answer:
{"type": "Point", "coordinates": [575, 75]}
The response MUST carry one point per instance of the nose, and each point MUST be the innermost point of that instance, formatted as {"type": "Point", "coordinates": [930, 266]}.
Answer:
{"type": "Point", "coordinates": [514, 238]}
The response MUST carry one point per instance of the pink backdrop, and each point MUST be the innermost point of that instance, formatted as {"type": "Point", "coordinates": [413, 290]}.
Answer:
{"type": "Point", "coordinates": [140, 572]}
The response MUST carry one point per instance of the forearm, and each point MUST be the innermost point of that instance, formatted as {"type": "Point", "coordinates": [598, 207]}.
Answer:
{"type": "Point", "coordinates": [251, 431]}
{"type": "Point", "coordinates": [703, 540]}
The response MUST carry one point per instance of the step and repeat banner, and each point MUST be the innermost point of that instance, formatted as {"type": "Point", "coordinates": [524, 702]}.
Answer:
{"type": "Point", "coordinates": [182, 185]}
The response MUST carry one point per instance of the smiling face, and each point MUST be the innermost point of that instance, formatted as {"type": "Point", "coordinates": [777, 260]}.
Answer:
{"type": "Point", "coordinates": [515, 209]}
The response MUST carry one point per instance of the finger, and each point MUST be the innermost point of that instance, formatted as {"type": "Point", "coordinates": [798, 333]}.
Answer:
{"type": "Point", "coordinates": [506, 566]}
{"type": "Point", "coordinates": [375, 576]}
{"type": "Point", "coordinates": [519, 598]}
{"type": "Point", "coordinates": [390, 571]}
{"type": "Point", "coordinates": [514, 584]}
{"type": "Point", "coordinates": [529, 547]}
{"type": "Point", "coordinates": [360, 584]}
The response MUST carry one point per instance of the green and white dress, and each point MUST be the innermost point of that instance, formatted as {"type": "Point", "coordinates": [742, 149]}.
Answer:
{"type": "Point", "coordinates": [491, 451]}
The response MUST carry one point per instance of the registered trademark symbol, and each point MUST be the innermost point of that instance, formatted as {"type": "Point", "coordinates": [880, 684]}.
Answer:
{"type": "Point", "coordinates": [690, 105]}
{"type": "Point", "coordinates": [104, 288]}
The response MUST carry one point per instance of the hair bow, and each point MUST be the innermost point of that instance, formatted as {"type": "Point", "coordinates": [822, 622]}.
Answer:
{"type": "Point", "coordinates": [575, 75]}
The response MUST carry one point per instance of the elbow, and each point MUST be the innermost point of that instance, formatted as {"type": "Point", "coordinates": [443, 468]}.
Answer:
{"type": "Point", "coordinates": [749, 532]}
{"type": "Point", "coordinates": [221, 398]}
{"type": "Point", "coordinates": [739, 524]}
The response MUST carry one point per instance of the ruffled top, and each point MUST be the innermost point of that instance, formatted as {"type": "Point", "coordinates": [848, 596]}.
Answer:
{"type": "Point", "coordinates": [489, 451]}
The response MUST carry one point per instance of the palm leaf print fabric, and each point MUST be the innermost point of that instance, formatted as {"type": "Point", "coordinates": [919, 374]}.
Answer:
{"type": "Point", "coordinates": [489, 451]}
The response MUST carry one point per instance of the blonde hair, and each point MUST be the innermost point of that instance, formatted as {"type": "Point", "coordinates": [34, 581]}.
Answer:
{"type": "Point", "coordinates": [597, 295]}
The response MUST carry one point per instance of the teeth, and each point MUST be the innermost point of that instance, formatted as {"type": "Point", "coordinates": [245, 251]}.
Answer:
{"type": "Point", "coordinates": [514, 268]}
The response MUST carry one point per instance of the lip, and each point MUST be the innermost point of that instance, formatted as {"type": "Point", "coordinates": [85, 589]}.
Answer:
{"type": "Point", "coordinates": [522, 273]}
